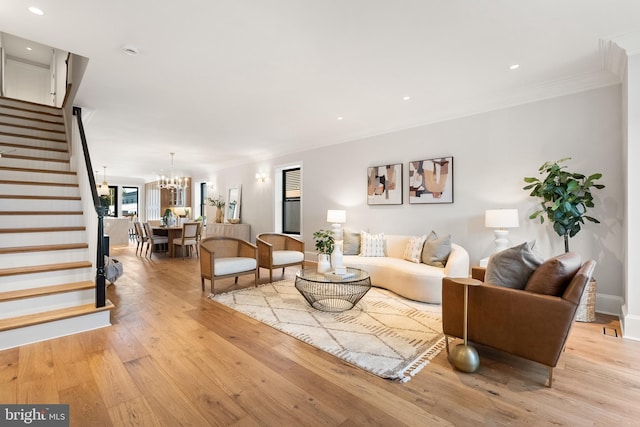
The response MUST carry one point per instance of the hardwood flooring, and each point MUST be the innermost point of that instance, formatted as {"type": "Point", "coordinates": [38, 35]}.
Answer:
{"type": "Point", "coordinates": [173, 357]}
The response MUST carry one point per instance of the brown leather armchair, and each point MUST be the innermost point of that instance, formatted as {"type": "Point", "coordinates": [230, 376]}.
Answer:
{"type": "Point", "coordinates": [530, 325]}
{"type": "Point", "coordinates": [279, 251]}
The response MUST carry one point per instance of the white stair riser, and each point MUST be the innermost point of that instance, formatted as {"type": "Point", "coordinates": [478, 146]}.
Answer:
{"type": "Point", "coordinates": [38, 190]}
{"type": "Point", "coordinates": [29, 221]}
{"type": "Point", "coordinates": [9, 240]}
{"type": "Point", "coordinates": [59, 328]}
{"type": "Point", "coordinates": [34, 164]}
{"type": "Point", "coordinates": [46, 124]}
{"type": "Point", "coordinates": [6, 103]}
{"type": "Point", "coordinates": [19, 175]}
{"type": "Point", "coordinates": [34, 152]}
{"type": "Point", "coordinates": [33, 142]}
{"type": "Point", "coordinates": [38, 304]}
{"type": "Point", "coordinates": [27, 259]}
{"type": "Point", "coordinates": [36, 280]}
{"type": "Point", "coordinates": [39, 133]}
{"type": "Point", "coordinates": [39, 205]}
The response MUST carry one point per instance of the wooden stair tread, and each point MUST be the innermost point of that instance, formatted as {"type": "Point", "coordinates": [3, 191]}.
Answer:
{"type": "Point", "coordinates": [50, 316]}
{"type": "Point", "coordinates": [14, 125]}
{"type": "Point", "coordinates": [45, 268]}
{"type": "Point", "coordinates": [32, 119]}
{"type": "Point", "coordinates": [41, 229]}
{"type": "Point", "coordinates": [30, 197]}
{"type": "Point", "coordinates": [41, 212]}
{"type": "Point", "coordinates": [43, 248]}
{"type": "Point", "coordinates": [33, 147]}
{"type": "Point", "coordinates": [39, 138]}
{"type": "Point", "coordinates": [38, 183]}
{"type": "Point", "coordinates": [32, 107]}
{"type": "Point", "coordinates": [33, 158]}
{"type": "Point", "coordinates": [46, 290]}
{"type": "Point", "coordinates": [33, 170]}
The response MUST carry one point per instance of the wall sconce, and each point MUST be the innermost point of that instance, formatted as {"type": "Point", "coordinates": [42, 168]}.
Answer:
{"type": "Point", "coordinates": [261, 177]}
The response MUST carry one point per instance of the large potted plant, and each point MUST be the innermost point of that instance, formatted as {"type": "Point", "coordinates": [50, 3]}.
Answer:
{"type": "Point", "coordinates": [325, 243]}
{"type": "Point", "coordinates": [564, 197]}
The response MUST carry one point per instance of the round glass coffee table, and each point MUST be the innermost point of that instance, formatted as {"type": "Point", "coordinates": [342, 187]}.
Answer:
{"type": "Point", "coordinates": [331, 292]}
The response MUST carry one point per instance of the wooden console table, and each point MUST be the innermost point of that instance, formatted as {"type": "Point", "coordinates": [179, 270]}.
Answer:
{"type": "Point", "coordinates": [240, 231]}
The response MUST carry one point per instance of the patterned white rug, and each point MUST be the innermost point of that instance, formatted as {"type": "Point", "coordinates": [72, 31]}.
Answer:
{"type": "Point", "coordinates": [385, 334]}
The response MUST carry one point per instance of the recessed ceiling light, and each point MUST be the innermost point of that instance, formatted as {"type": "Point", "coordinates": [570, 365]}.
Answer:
{"type": "Point", "coordinates": [406, 98]}
{"type": "Point", "coordinates": [36, 11]}
{"type": "Point", "coordinates": [514, 67]}
{"type": "Point", "coordinates": [28, 48]}
{"type": "Point", "coordinates": [130, 50]}
{"type": "Point", "coordinates": [339, 118]}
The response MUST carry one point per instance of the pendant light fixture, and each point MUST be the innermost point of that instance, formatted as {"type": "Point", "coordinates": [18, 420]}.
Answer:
{"type": "Point", "coordinates": [103, 189]}
{"type": "Point", "coordinates": [172, 183]}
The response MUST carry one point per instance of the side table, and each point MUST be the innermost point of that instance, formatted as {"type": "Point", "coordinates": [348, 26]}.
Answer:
{"type": "Point", "coordinates": [464, 357]}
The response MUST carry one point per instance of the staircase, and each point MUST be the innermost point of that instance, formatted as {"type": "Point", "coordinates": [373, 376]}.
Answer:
{"type": "Point", "coordinates": [47, 286]}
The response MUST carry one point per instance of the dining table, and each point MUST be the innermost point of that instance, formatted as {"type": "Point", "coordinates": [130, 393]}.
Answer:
{"type": "Point", "coordinates": [172, 232]}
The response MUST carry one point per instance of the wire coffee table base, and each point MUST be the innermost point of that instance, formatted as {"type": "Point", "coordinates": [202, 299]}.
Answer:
{"type": "Point", "coordinates": [326, 293]}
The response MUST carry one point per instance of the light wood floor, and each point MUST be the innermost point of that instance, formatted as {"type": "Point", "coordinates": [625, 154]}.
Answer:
{"type": "Point", "coordinates": [173, 357]}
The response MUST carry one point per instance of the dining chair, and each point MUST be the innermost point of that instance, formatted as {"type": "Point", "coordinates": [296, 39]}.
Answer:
{"type": "Point", "coordinates": [141, 238]}
{"type": "Point", "coordinates": [154, 239]}
{"type": "Point", "coordinates": [189, 238]}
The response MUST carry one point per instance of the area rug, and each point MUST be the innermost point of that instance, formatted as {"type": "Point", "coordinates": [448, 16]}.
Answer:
{"type": "Point", "coordinates": [385, 334]}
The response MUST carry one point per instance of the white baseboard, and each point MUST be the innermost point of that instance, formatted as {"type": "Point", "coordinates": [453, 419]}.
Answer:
{"type": "Point", "coordinates": [59, 328]}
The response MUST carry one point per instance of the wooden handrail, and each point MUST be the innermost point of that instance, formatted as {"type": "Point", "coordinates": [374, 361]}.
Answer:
{"type": "Point", "coordinates": [100, 210]}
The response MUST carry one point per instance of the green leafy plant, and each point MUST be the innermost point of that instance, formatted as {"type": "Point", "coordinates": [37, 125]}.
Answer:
{"type": "Point", "coordinates": [325, 241]}
{"type": "Point", "coordinates": [565, 198]}
{"type": "Point", "coordinates": [218, 202]}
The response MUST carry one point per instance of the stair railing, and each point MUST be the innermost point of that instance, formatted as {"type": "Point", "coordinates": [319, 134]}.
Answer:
{"type": "Point", "coordinates": [100, 210]}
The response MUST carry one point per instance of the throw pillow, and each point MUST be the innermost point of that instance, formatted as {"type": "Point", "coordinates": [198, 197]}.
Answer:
{"type": "Point", "coordinates": [371, 244]}
{"type": "Point", "coordinates": [553, 276]}
{"type": "Point", "coordinates": [513, 267]}
{"type": "Point", "coordinates": [413, 251]}
{"type": "Point", "coordinates": [436, 250]}
{"type": "Point", "coordinates": [350, 242]}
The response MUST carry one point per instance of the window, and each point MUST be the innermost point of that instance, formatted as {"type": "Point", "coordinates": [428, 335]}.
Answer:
{"type": "Point", "coordinates": [291, 194]}
{"type": "Point", "coordinates": [203, 198]}
{"type": "Point", "coordinates": [130, 201]}
{"type": "Point", "coordinates": [110, 201]}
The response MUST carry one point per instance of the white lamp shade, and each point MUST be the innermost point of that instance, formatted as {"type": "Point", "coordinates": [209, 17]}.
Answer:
{"type": "Point", "coordinates": [501, 218]}
{"type": "Point", "coordinates": [336, 216]}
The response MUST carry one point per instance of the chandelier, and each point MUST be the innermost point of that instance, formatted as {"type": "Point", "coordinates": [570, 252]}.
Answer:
{"type": "Point", "coordinates": [172, 183]}
{"type": "Point", "coordinates": [103, 189]}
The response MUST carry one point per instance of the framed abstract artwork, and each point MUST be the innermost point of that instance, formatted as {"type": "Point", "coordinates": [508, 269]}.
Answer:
{"type": "Point", "coordinates": [384, 185]}
{"type": "Point", "coordinates": [431, 181]}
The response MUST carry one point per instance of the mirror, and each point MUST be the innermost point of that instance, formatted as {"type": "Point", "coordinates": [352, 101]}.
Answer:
{"type": "Point", "coordinates": [233, 204]}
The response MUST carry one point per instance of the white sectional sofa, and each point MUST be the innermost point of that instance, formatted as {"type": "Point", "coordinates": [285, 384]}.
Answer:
{"type": "Point", "coordinates": [416, 281]}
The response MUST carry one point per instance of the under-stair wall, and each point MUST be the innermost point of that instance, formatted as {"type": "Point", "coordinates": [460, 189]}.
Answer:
{"type": "Point", "coordinates": [47, 258]}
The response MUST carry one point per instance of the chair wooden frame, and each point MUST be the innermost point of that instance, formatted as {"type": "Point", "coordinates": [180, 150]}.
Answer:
{"type": "Point", "coordinates": [141, 237]}
{"type": "Point", "coordinates": [217, 247]}
{"type": "Point", "coordinates": [153, 239]}
{"type": "Point", "coordinates": [269, 242]}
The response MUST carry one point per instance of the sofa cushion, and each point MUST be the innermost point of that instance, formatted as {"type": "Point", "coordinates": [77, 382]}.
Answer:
{"type": "Point", "coordinates": [513, 267]}
{"type": "Point", "coordinates": [224, 266]}
{"type": "Point", "coordinates": [350, 242]}
{"type": "Point", "coordinates": [553, 276]}
{"type": "Point", "coordinates": [371, 244]}
{"type": "Point", "coordinates": [436, 250]}
{"type": "Point", "coordinates": [413, 250]}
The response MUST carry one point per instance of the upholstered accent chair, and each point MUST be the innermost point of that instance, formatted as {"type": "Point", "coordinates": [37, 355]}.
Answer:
{"type": "Point", "coordinates": [532, 323]}
{"type": "Point", "coordinates": [223, 257]}
{"type": "Point", "coordinates": [277, 250]}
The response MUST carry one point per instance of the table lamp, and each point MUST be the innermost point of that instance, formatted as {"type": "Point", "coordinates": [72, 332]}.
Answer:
{"type": "Point", "coordinates": [500, 220]}
{"type": "Point", "coordinates": [336, 218]}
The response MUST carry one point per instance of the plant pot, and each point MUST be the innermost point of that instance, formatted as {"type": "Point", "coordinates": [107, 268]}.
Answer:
{"type": "Point", "coordinates": [219, 215]}
{"type": "Point", "coordinates": [323, 263]}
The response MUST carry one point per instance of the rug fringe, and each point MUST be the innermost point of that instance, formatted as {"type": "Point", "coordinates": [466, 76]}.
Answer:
{"type": "Point", "coordinates": [422, 361]}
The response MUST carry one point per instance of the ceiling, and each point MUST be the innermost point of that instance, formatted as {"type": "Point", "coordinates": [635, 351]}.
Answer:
{"type": "Point", "coordinates": [222, 83]}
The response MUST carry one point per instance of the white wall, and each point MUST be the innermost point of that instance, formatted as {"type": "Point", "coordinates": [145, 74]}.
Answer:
{"type": "Point", "coordinates": [492, 153]}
